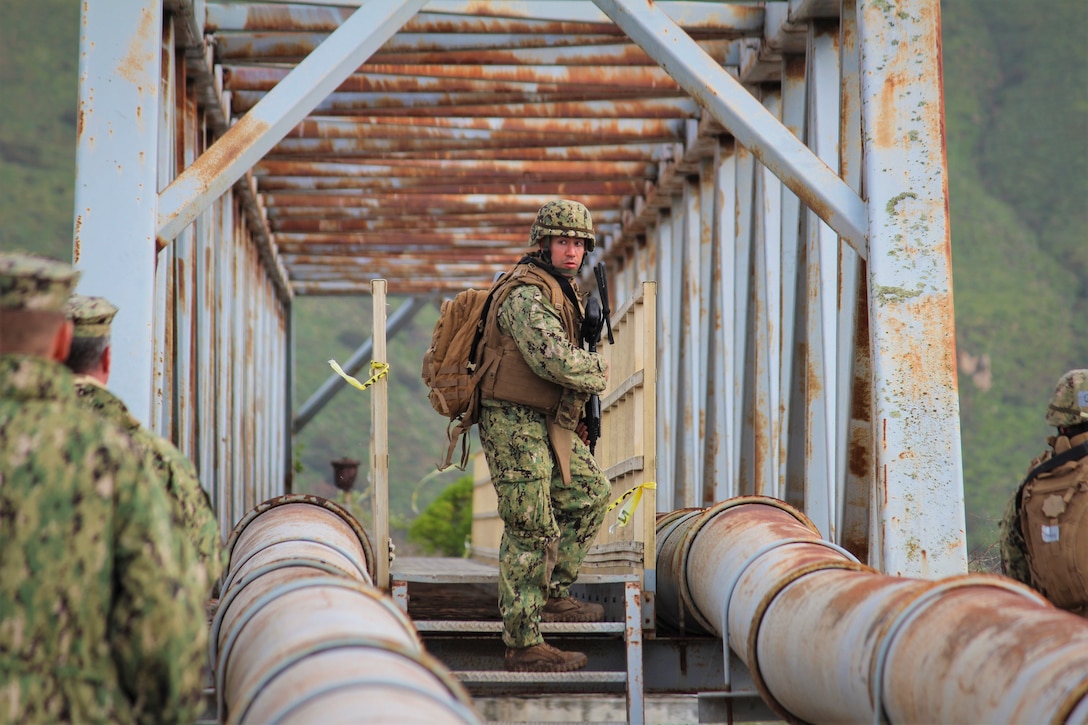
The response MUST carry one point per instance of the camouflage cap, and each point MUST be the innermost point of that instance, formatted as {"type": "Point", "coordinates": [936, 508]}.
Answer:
{"type": "Point", "coordinates": [92, 315]}
{"type": "Point", "coordinates": [32, 282]}
{"type": "Point", "coordinates": [563, 218]}
{"type": "Point", "coordinates": [1069, 404]}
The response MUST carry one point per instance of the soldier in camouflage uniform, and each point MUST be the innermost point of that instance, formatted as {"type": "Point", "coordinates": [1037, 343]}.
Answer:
{"type": "Point", "coordinates": [98, 621]}
{"type": "Point", "coordinates": [1068, 413]}
{"type": "Point", "coordinates": [90, 359]}
{"type": "Point", "coordinates": [552, 494]}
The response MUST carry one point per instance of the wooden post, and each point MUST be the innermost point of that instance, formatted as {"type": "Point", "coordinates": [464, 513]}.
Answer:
{"type": "Point", "coordinates": [379, 449]}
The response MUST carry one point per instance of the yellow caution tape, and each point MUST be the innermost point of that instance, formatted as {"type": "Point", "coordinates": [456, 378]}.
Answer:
{"type": "Point", "coordinates": [633, 496]}
{"type": "Point", "coordinates": [378, 368]}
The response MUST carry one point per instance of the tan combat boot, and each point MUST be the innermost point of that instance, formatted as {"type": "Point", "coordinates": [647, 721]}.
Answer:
{"type": "Point", "coordinates": [569, 609]}
{"type": "Point", "coordinates": [543, 658]}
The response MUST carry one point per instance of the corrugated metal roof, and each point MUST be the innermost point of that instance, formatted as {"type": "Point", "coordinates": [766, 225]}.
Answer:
{"type": "Point", "coordinates": [427, 165]}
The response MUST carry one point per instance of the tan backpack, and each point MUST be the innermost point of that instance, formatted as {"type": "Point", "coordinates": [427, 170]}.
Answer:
{"type": "Point", "coordinates": [1054, 522]}
{"type": "Point", "coordinates": [450, 368]}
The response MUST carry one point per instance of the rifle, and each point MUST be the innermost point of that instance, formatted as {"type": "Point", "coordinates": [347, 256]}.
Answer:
{"type": "Point", "coordinates": [598, 315]}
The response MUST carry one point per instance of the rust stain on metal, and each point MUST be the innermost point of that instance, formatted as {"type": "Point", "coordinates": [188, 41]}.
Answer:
{"type": "Point", "coordinates": [887, 127]}
{"type": "Point", "coordinates": [133, 67]}
{"type": "Point", "coordinates": [180, 283]}
{"type": "Point", "coordinates": [77, 241]}
{"type": "Point", "coordinates": [241, 136]}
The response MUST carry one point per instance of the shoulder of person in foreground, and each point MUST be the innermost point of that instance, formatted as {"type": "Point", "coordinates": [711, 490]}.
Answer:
{"type": "Point", "coordinates": [158, 628]}
{"type": "Point", "coordinates": [191, 502]}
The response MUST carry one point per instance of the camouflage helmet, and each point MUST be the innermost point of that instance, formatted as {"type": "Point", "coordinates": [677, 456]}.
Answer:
{"type": "Point", "coordinates": [563, 218]}
{"type": "Point", "coordinates": [1069, 404]}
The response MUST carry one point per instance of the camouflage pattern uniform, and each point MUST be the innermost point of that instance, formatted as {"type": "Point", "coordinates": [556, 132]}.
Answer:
{"type": "Point", "coordinates": [548, 526]}
{"type": "Point", "coordinates": [190, 505]}
{"type": "Point", "coordinates": [97, 623]}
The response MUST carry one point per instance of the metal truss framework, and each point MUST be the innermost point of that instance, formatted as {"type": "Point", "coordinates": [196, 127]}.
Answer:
{"type": "Point", "coordinates": [778, 168]}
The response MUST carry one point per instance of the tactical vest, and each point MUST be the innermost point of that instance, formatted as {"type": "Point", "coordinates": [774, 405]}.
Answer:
{"type": "Point", "coordinates": [509, 378]}
{"type": "Point", "coordinates": [1054, 522]}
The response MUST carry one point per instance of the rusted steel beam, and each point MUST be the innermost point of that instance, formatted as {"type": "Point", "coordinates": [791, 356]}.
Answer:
{"type": "Point", "coordinates": [467, 78]}
{"type": "Point", "coordinates": [397, 238]}
{"type": "Point", "coordinates": [451, 218]}
{"type": "Point", "coordinates": [610, 132]}
{"type": "Point", "coordinates": [333, 149]}
{"type": "Point", "coordinates": [430, 256]}
{"type": "Point", "coordinates": [647, 155]}
{"type": "Point", "coordinates": [695, 18]}
{"type": "Point", "coordinates": [493, 184]}
{"type": "Point", "coordinates": [388, 268]}
{"type": "Point", "coordinates": [520, 202]}
{"type": "Point", "coordinates": [443, 186]}
{"type": "Point", "coordinates": [395, 127]}
{"type": "Point", "coordinates": [274, 17]}
{"type": "Point", "coordinates": [596, 51]}
{"type": "Point", "coordinates": [435, 253]}
{"type": "Point", "coordinates": [453, 223]}
{"type": "Point", "coordinates": [461, 168]}
{"type": "Point", "coordinates": [249, 139]}
{"type": "Point", "coordinates": [415, 287]}
{"type": "Point", "coordinates": [489, 105]}
{"type": "Point", "coordinates": [627, 152]}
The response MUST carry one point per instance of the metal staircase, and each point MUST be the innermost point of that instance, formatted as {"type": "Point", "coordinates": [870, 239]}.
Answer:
{"type": "Point", "coordinates": [471, 647]}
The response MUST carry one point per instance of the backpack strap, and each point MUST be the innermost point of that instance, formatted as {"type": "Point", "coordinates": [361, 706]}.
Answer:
{"type": "Point", "coordinates": [1075, 453]}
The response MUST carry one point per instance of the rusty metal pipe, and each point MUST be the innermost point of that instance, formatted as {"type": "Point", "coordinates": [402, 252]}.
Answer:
{"type": "Point", "coordinates": [302, 635]}
{"type": "Point", "coordinates": [828, 639]}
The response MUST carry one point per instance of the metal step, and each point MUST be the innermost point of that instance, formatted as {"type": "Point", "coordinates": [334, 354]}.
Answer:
{"type": "Point", "coordinates": [501, 676]}
{"type": "Point", "coordinates": [494, 627]}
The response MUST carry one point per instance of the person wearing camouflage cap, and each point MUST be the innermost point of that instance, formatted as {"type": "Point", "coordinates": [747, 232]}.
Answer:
{"type": "Point", "coordinates": [552, 495]}
{"type": "Point", "coordinates": [99, 623]}
{"type": "Point", "coordinates": [1039, 532]}
{"type": "Point", "coordinates": [90, 360]}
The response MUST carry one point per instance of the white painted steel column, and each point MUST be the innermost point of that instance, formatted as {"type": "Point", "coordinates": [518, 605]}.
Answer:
{"type": "Point", "coordinates": [689, 458]}
{"type": "Point", "coordinates": [916, 406]}
{"type": "Point", "coordinates": [824, 337]}
{"type": "Point", "coordinates": [667, 391]}
{"type": "Point", "coordinates": [857, 494]}
{"type": "Point", "coordinates": [708, 270]}
{"type": "Point", "coordinates": [740, 435]}
{"type": "Point", "coordinates": [162, 376]}
{"type": "Point", "coordinates": [793, 116]}
{"type": "Point", "coordinates": [116, 192]}
{"type": "Point", "coordinates": [719, 459]}
{"type": "Point", "coordinates": [768, 280]}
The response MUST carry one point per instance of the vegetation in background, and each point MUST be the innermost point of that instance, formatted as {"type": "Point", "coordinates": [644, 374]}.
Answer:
{"type": "Point", "coordinates": [1016, 106]}
{"type": "Point", "coordinates": [444, 527]}
{"type": "Point", "coordinates": [1016, 101]}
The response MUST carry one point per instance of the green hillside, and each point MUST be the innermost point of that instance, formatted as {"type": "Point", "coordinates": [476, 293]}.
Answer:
{"type": "Point", "coordinates": [1016, 82]}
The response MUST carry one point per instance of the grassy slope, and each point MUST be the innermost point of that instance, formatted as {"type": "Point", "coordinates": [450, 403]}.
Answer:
{"type": "Point", "coordinates": [1017, 104]}
{"type": "Point", "coordinates": [1018, 164]}
{"type": "Point", "coordinates": [39, 53]}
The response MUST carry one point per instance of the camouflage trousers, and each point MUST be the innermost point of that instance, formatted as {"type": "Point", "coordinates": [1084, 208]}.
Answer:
{"type": "Point", "coordinates": [548, 526]}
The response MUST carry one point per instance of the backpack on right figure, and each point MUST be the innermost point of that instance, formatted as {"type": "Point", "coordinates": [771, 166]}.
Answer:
{"type": "Point", "coordinates": [1054, 522]}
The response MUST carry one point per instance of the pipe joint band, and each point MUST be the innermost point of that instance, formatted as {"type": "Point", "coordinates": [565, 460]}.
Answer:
{"type": "Point", "coordinates": [911, 609]}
